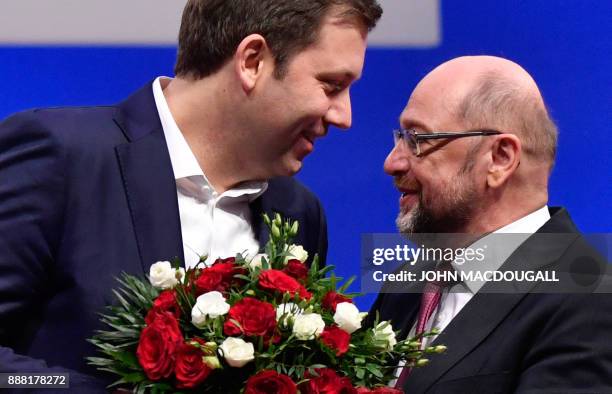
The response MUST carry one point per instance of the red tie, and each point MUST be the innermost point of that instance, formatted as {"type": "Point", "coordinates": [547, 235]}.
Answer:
{"type": "Point", "coordinates": [429, 302]}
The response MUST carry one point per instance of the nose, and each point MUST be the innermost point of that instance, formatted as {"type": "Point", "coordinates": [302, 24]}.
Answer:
{"type": "Point", "coordinates": [397, 162]}
{"type": "Point", "coordinates": [339, 112]}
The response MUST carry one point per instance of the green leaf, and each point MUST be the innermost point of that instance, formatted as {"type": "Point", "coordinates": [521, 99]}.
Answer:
{"type": "Point", "coordinates": [135, 377]}
{"type": "Point", "coordinates": [374, 370]}
{"type": "Point", "coordinates": [127, 358]}
{"type": "Point", "coordinates": [346, 285]}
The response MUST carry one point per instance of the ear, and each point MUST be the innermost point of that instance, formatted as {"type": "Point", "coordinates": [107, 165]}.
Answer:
{"type": "Point", "coordinates": [505, 159]}
{"type": "Point", "coordinates": [249, 59]}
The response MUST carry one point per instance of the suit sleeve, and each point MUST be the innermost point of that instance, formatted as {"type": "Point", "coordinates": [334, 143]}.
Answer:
{"type": "Point", "coordinates": [31, 209]}
{"type": "Point", "coordinates": [574, 353]}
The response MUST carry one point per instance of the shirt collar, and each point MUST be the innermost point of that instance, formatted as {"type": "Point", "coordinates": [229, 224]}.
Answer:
{"type": "Point", "coordinates": [184, 162]}
{"type": "Point", "coordinates": [527, 224]}
{"type": "Point", "coordinates": [521, 230]}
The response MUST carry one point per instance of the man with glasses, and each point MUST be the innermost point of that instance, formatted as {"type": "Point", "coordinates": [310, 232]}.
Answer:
{"type": "Point", "coordinates": [473, 155]}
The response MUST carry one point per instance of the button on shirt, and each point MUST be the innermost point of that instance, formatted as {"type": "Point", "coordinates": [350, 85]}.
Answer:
{"type": "Point", "coordinates": [212, 224]}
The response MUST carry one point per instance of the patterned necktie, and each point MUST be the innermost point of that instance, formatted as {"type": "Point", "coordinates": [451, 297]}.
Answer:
{"type": "Point", "coordinates": [429, 302]}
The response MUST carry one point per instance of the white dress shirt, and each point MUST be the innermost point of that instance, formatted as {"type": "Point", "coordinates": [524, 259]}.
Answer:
{"type": "Point", "coordinates": [454, 299]}
{"type": "Point", "coordinates": [212, 224]}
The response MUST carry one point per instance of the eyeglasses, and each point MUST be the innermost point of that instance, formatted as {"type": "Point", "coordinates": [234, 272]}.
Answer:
{"type": "Point", "coordinates": [412, 138]}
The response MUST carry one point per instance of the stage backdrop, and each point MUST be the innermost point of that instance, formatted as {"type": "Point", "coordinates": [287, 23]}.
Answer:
{"type": "Point", "coordinates": [76, 52]}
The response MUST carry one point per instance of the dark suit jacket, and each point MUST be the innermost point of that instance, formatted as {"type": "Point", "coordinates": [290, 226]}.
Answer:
{"type": "Point", "coordinates": [526, 342]}
{"type": "Point", "coordinates": [86, 193]}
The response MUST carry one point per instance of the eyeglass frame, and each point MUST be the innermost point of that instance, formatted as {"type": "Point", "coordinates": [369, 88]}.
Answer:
{"type": "Point", "coordinates": [416, 137]}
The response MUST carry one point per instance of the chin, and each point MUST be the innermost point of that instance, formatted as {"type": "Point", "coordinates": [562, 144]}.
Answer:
{"type": "Point", "coordinates": [289, 168]}
{"type": "Point", "coordinates": [294, 169]}
{"type": "Point", "coordinates": [404, 223]}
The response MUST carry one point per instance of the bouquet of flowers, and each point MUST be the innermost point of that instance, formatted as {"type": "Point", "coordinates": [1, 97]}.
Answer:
{"type": "Point", "coordinates": [267, 324]}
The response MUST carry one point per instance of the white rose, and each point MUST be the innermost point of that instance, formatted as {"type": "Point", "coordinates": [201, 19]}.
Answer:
{"type": "Point", "coordinates": [163, 276]}
{"type": "Point", "coordinates": [384, 332]}
{"type": "Point", "coordinates": [287, 312]}
{"type": "Point", "coordinates": [296, 252]}
{"type": "Point", "coordinates": [237, 352]}
{"type": "Point", "coordinates": [308, 326]}
{"type": "Point", "coordinates": [257, 261]}
{"type": "Point", "coordinates": [211, 304]}
{"type": "Point", "coordinates": [348, 317]}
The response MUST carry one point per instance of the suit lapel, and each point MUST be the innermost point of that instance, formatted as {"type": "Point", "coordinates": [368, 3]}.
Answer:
{"type": "Point", "coordinates": [269, 203]}
{"type": "Point", "coordinates": [148, 180]}
{"type": "Point", "coordinates": [488, 308]}
{"type": "Point", "coordinates": [259, 228]}
{"type": "Point", "coordinates": [465, 332]}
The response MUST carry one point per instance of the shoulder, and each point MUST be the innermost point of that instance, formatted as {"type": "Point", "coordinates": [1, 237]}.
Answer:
{"type": "Point", "coordinates": [62, 115]}
{"type": "Point", "coordinates": [65, 128]}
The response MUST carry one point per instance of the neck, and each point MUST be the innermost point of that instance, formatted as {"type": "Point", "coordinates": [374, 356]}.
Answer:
{"type": "Point", "coordinates": [200, 109]}
{"type": "Point", "coordinates": [496, 214]}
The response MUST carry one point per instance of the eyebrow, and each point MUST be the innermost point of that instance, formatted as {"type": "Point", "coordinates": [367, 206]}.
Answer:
{"type": "Point", "coordinates": [345, 74]}
{"type": "Point", "coordinates": [414, 124]}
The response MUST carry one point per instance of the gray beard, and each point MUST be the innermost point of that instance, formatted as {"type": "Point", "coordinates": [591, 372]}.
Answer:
{"type": "Point", "coordinates": [455, 208]}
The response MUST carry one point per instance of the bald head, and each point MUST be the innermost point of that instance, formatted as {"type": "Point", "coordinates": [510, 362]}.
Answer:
{"type": "Point", "coordinates": [495, 93]}
{"type": "Point", "coordinates": [471, 68]}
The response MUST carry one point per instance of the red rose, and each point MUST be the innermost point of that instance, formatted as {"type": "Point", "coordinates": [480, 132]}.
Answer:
{"type": "Point", "coordinates": [280, 281]}
{"type": "Point", "coordinates": [209, 280]}
{"type": "Point", "coordinates": [157, 346]}
{"type": "Point", "coordinates": [336, 339]}
{"type": "Point", "coordinates": [332, 299]}
{"type": "Point", "coordinates": [387, 390]}
{"type": "Point", "coordinates": [219, 276]}
{"type": "Point", "coordinates": [296, 269]}
{"type": "Point", "coordinates": [379, 390]}
{"type": "Point", "coordinates": [256, 318]}
{"type": "Point", "coordinates": [270, 382]}
{"type": "Point", "coordinates": [226, 260]}
{"type": "Point", "coordinates": [328, 382]}
{"type": "Point", "coordinates": [190, 369]}
{"type": "Point", "coordinates": [165, 302]}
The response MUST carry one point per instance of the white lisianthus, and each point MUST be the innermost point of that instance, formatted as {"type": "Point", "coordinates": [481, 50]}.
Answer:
{"type": "Point", "coordinates": [287, 313]}
{"type": "Point", "coordinates": [237, 352]}
{"type": "Point", "coordinates": [348, 317]}
{"type": "Point", "coordinates": [257, 261]}
{"type": "Point", "coordinates": [163, 276]}
{"type": "Point", "coordinates": [296, 252]}
{"type": "Point", "coordinates": [308, 326]}
{"type": "Point", "coordinates": [384, 332]}
{"type": "Point", "coordinates": [208, 305]}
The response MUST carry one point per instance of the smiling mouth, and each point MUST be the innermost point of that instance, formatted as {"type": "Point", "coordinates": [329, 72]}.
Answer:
{"type": "Point", "coordinates": [408, 199]}
{"type": "Point", "coordinates": [404, 191]}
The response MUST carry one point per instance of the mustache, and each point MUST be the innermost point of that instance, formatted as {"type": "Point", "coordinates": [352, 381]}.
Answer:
{"type": "Point", "coordinates": [409, 184]}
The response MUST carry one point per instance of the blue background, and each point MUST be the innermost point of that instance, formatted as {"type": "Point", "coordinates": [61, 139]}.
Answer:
{"type": "Point", "coordinates": [565, 45]}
